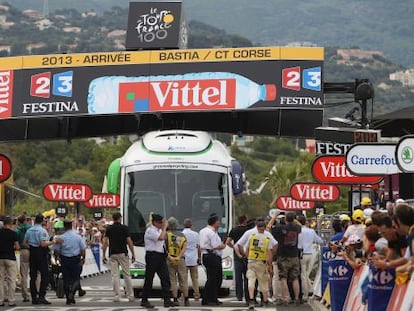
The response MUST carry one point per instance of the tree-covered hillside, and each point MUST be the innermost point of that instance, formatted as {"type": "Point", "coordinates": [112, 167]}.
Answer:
{"type": "Point", "coordinates": [370, 24]}
{"type": "Point", "coordinates": [69, 32]}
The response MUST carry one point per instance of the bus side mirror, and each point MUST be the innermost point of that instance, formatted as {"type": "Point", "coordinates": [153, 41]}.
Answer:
{"type": "Point", "coordinates": [114, 171]}
{"type": "Point", "coordinates": [237, 177]}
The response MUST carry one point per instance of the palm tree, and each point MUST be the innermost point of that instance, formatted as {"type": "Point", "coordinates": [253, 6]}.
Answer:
{"type": "Point", "coordinates": [286, 173]}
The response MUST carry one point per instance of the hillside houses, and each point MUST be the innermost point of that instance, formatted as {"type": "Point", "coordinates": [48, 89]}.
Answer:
{"type": "Point", "coordinates": [406, 77]}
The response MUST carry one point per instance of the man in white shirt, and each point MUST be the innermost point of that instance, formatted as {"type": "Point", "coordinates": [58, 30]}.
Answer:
{"type": "Point", "coordinates": [243, 243]}
{"type": "Point", "coordinates": [259, 253]}
{"type": "Point", "coordinates": [306, 239]}
{"type": "Point", "coordinates": [192, 255]}
{"type": "Point", "coordinates": [155, 261]}
{"type": "Point", "coordinates": [211, 250]}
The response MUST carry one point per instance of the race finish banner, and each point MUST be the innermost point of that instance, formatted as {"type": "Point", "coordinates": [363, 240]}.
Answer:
{"type": "Point", "coordinates": [153, 82]}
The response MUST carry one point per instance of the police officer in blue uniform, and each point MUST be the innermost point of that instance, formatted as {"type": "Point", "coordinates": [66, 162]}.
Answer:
{"type": "Point", "coordinates": [71, 253]}
{"type": "Point", "coordinates": [38, 241]}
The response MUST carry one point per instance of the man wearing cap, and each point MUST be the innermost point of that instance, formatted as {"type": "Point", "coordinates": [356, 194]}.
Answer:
{"type": "Point", "coordinates": [211, 250]}
{"type": "Point", "coordinates": [38, 241]}
{"type": "Point", "coordinates": [243, 242]}
{"type": "Point", "coordinates": [259, 254]}
{"type": "Point", "coordinates": [366, 206]}
{"type": "Point", "coordinates": [176, 244]}
{"type": "Point", "coordinates": [117, 237]}
{"type": "Point", "coordinates": [71, 253]}
{"type": "Point", "coordinates": [155, 261]}
{"type": "Point", "coordinates": [353, 244]}
{"type": "Point", "coordinates": [21, 229]}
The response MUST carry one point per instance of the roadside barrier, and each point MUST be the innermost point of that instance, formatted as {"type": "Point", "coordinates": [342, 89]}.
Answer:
{"type": "Point", "coordinates": [93, 262]}
{"type": "Point", "coordinates": [363, 289]}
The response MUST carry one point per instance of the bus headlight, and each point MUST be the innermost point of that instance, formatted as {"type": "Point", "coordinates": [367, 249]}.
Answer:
{"type": "Point", "coordinates": [137, 265]}
{"type": "Point", "coordinates": [227, 262]}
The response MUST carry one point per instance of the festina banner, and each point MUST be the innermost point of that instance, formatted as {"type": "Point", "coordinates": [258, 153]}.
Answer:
{"type": "Point", "coordinates": [161, 81]}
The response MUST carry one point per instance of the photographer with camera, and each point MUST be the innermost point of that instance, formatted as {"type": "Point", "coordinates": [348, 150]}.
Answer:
{"type": "Point", "coordinates": [352, 251]}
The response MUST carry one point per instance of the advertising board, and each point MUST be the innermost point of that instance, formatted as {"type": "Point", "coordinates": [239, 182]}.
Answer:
{"type": "Point", "coordinates": [161, 81]}
{"type": "Point", "coordinates": [314, 192]}
{"type": "Point", "coordinates": [5, 167]}
{"type": "Point", "coordinates": [332, 170]}
{"type": "Point", "coordinates": [404, 154]}
{"type": "Point", "coordinates": [67, 192]}
{"type": "Point", "coordinates": [372, 159]}
{"type": "Point", "coordinates": [288, 203]}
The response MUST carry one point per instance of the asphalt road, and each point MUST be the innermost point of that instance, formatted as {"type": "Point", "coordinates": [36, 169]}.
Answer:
{"type": "Point", "coordinates": [99, 298]}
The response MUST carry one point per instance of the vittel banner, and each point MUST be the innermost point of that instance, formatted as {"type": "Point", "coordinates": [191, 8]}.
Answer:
{"type": "Point", "coordinates": [67, 192]}
{"type": "Point", "coordinates": [288, 203]}
{"type": "Point", "coordinates": [161, 81]}
{"type": "Point", "coordinates": [314, 192]}
{"type": "Point", "coordinates": [332, 170]}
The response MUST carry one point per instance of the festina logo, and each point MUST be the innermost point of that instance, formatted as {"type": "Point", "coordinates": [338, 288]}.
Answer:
{"type": "Point", "coordinates": [67, 192]}
{"type": "Point", "coordinates": [287, 203]}
{"type": "Point", "coordinates": [332, 169]}
{"type": "Point", "coordinates": [52, 107]}
{"type": "Point", "coordinates": [331, 148]}
{"type": "Point", "coordinates": [103, 200]}
{"type": "Point", "coordinates": [314, 192]}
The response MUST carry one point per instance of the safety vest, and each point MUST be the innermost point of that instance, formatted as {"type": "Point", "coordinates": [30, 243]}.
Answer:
{"type": "Point", "coordinates": [174, 243]}
{"type": "Point", "coordinates": [258, 247]}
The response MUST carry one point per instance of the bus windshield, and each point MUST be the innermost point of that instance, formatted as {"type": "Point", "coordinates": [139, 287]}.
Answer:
{"type": "Point", "coordinates": [181, 193]}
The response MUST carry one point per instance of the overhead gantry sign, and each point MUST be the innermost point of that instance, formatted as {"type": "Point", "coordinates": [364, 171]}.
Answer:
{"type": "Point", "coordinates": [260, 90]}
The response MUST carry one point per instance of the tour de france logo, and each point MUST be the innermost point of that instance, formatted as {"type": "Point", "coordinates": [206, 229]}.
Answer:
{"type": "Point", "coordinates": [154, 25]}
{"type": "Point", "coordinates": [407, 155]}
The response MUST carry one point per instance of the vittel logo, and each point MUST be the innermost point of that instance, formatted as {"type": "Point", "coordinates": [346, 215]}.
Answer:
{"type": "Point", "coordinates": [6, 93]}
{"type": "Point", "coordinates": [67, 192]}
{"type": "Point", "coordinates": [180, 95]}
{"type": "Point", "coordinates": [332, 169]}
{"type": "Point", "coordinates": [314, 192]}
{"type": "Point", "coordinates": [287, 203]}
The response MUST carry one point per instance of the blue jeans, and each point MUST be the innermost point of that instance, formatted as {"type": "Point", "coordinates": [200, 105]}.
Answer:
{"type": "Point", "coordinates": [240, 268]}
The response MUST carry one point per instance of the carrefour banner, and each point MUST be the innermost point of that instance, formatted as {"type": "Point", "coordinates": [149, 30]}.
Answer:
{"type": "Point", "coordinates": [340, 275]}
{"type": "Point", "coordinates": [161, 81]}
{"type": "Point", "coordinates": [326, 256]}
{"type": "Point", "coordinates": [380, 286]}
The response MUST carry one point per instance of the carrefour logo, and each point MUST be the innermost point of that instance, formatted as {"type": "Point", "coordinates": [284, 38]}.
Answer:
{"type": "Point", "coordinates": [328, 255]}
{"type": "Point", "coordinates": [381, 277]}
{"type": "Point", "coordinates": [338, 271]}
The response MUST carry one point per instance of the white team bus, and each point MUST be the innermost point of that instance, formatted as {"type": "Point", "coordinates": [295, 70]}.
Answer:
{"type": "Point", "coordinates": [173, 173]}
